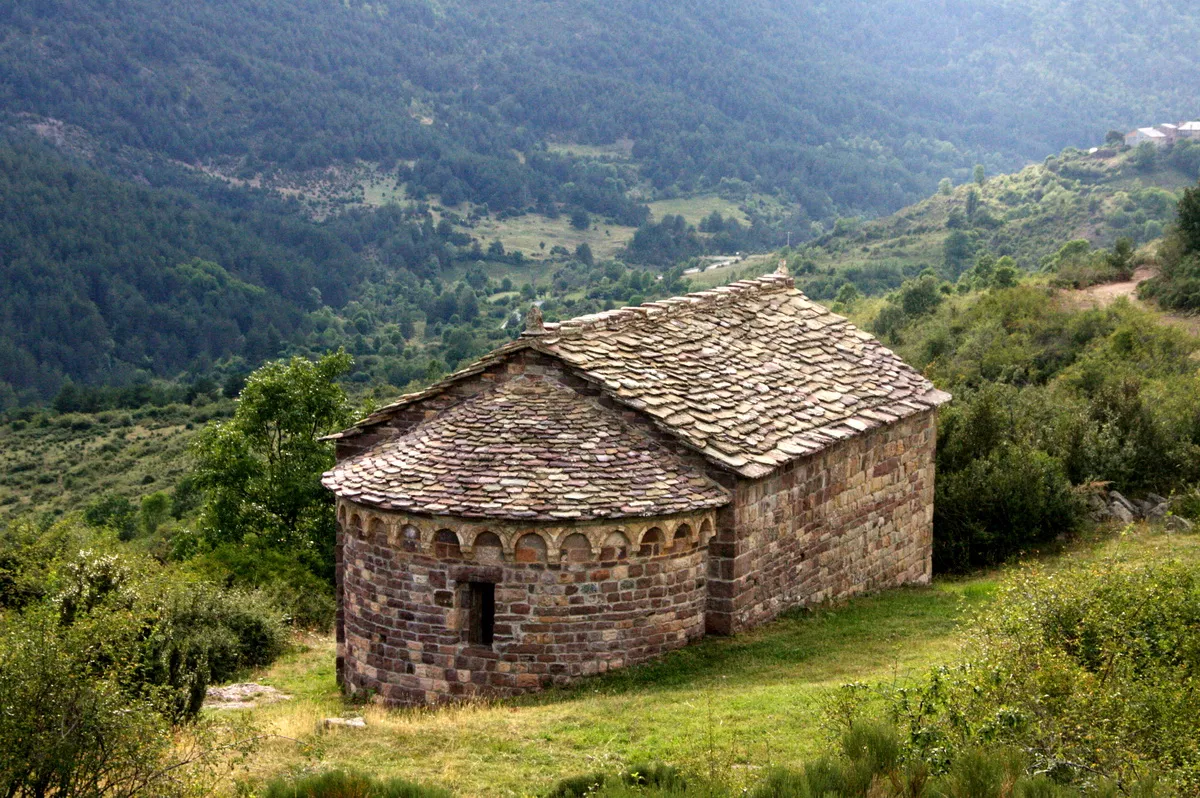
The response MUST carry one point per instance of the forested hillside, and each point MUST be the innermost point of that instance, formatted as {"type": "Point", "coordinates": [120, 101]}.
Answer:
{"type": "Point", "coordinates": [401, 177]}
{"type": "Point", "coordinates": [106, 282]}
{"type": "Point", "coordinates": [856, 106]}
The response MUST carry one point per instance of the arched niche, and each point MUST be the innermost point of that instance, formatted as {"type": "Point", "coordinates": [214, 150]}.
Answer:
{"type": "Point", "coordinates": [530, 548]}
{"type": "Point", "coordinates": [706, 530]}
{"type": "Point", "coordinates": [410, 538]}
{"type": "Point", "coordinates": [446, 545]}
{"type": "Point", "coordinates": [575, 548]}
{"type": "Point", "coordinates": [378, 530]}
{"type": "Point", "coordinates": [488, 547]}
{"type": "Point", "coordinates": [616, 547]}
{"type": "Point", "coordinates": [652, 543]}
{"type": "Point", "coordinates": [682, 540]}
{"type": "Point", "coordinates": [356, 525]}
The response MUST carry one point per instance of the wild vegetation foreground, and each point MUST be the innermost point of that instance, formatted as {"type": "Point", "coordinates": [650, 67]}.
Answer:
{"type": "Point", "coordinates": [733, 705]}
{"type": "Point", "coordinates": [726, 710]}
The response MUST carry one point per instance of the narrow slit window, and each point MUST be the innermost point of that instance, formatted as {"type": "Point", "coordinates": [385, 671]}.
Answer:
{"type": "Point", "coordinates": [482, 596]}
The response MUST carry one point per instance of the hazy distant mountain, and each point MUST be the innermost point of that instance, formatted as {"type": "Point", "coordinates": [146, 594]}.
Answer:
{"type": "Point", "coordinates": [857, 105]}
{"type": "Point", "coordinates": [812, 110]}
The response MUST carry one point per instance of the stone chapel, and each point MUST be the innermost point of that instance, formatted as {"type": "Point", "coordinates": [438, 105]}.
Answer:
{"type": "Point", "coordinates": [606, 489]}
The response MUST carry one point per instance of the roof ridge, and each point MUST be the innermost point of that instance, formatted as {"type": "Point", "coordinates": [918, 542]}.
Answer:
{"type": "Point", "coordinates": [669, 308]}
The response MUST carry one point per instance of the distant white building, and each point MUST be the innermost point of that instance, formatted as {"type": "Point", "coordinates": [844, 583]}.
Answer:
{"type": "Point", "coordinates": [1169, 130]}
{"type": "Point", "coordinates": [1189, 130]}
{"type": "Point", "coordinates": [1144, 134]}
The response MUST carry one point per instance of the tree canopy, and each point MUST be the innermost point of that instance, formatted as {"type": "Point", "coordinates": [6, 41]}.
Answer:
{"type": "Point", "coordinates": [260, 471]}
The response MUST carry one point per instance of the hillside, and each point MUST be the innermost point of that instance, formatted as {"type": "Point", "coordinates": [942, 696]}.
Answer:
{"type": "Point", "coordinates": [1028, 216]}
{"type": "Point", "coordinates": [730, 709]}
{"type": "Point", "coordinates": [858, 107]}
{"type": "Point", "coordinates": [106, 281]}
{"type": "Point", "coordinates": [191, 189]}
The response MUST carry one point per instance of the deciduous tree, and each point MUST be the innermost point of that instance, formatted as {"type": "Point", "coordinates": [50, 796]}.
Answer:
{"type": "Point", "coordinates": [260, 470]}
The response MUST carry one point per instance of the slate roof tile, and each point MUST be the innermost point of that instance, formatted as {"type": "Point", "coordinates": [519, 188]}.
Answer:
{"type": "Point", "coordinates": [529, 448]}
{"type": "Point", "coordinates": [751, 375]}
{"type": "Point", "coordinates": [796, 377]}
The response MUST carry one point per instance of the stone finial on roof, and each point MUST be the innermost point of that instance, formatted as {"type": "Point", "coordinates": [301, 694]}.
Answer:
{"type": "Point", "coordinates": [533, 321]}
{"type": "Point", "coordinates": [782, 267]}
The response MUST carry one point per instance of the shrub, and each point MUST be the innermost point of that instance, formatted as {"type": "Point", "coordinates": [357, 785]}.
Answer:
{"type": "Point", "coordinates": [305, 598]}
{"type": "Point", "coordinates": [203, 635]}
{"type": "Point", "coordinates": [641, 779]}
{"type": "Point", "coordinates": [29, 558]}
{"type": "Point", "coordinates": [188, 633]}
{"type": "Point", "coordinates": [999, 505]}
{"type": "Point", "coordinates": [69, 725]}
{"type": "Point", "coordinates": [112, 511]}
{"type": "Point", "coordinates": [339, 784]}
{"type": "Point", "coordinates": [1088, 669]}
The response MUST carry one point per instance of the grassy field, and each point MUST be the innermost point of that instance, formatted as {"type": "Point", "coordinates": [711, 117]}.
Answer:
{"type": "Point", "coordinates": [621, 150]}
{"type": "Point", "coordinates": [694, 209]}
{"type": "Point", "coordinates": [727, 706]}
{"type": "Point", "coordinates": [528, 232]}
{"type": "Point", "coordinates": [733, 704]}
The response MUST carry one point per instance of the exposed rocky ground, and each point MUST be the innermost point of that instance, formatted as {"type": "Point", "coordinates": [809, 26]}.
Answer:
{"type": "Point", "coordinates": [1109, 505]}
{"type": "Point", "coordinates": [245, 695]}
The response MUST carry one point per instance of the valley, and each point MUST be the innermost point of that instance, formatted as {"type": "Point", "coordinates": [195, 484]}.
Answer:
{"type": "Point", "coordinates": [232, 231]}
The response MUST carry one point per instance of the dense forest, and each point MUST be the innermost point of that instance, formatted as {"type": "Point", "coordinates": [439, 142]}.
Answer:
{"type": "Point", "coordinates": [123, 260]}
{"type": "Point", "coordinates": [107, 282]}
{"type": "Point", "coordinates": [845, 108]}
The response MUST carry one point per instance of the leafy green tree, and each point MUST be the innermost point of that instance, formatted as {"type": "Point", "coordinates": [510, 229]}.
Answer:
{"type": "Point", "coordinates": [985, 267]}
{"type": "Point", "coordinates": [972, 203]}
{"type": "Point", "coordinates": [1114, 138]}
{"type": "Point", "coordinates": [957, 251]}
{"type": "Point", "coordinates": [1189, 219]}
{"type": "Point", "coordinates": [476, 277]}
{"type": "Point", "coordinates": [1145, 157]}
{"type": "Point", "coordinates": [112, 511]}
{"type": "Point", "coordinates": [980, 174]}
{"type": "Point", "coordinates": [945, 187]}
{"type": "Point", "coordinates": [580, 219]}
{"type": "Point", "coordinates": [583, 253]}
{"type": "Point", "coordinates": [260, 469]}
{"type": "Point", "coordinates": [1121, 258]}
{"type": "Point", "coordinates": [920, 297]}
{"type": "Point", "coordinates": [1005, 276]}
{"type": "Point", "coordinates": [848, 294]}
{"type": "Point", "coordinates": [154, 512]}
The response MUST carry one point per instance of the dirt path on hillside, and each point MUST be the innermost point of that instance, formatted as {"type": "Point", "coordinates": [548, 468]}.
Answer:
{"type": "Point", "coordinates": [1101, 296]}
{"type": "Point", "coordinates": [1105, 294]}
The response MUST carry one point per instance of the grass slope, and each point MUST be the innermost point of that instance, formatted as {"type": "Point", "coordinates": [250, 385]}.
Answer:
{"type": "Point", "coordinates": [1033, 212]}
{"type": "Point", "coordinates": [732, 704]}
{"type": "Point", "coordinates": [724, 707]}
{"type": "Point", "coordinates": [59, 464]}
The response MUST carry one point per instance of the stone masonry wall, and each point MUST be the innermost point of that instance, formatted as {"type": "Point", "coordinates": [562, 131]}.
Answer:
{"type": "Point", "coordinates": [855, 517]}
{"type": "Point", "coordinates": [570, 600]}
